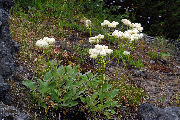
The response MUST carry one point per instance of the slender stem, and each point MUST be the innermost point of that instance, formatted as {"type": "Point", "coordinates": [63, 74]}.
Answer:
{"type": "Point", "coordinates": [105, 63]}
{"type": "Point", "coordinates": [90, 31]}
{"type": "Point", "coordinates": [116, 69]}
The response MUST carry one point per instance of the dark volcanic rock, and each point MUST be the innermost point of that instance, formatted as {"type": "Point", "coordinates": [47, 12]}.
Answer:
{"type": "Point", "coordinates": [7, 65]}
{"type": "Point", "coordinates": [7, 48]}
{"type": "Point", "coordinates": [149, 112]}
{"type": "Point", "coordinates": [11, 113]}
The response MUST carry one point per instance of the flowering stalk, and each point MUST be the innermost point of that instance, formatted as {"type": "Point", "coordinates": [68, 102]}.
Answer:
{"type": "Point", "coordinates": [105, 63]}
{"type": "Point", "coordinates": [116, 69]}
{"type": "Point", "coordinates": [90, 31]}
{"type": "Point", "coordinates": [88, 25]}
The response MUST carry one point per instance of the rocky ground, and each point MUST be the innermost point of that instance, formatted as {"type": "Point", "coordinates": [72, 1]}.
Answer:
{"type": "Point", "coordinates": [159, 78]}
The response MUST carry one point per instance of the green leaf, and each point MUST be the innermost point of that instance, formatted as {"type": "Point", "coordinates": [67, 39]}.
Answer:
{"type": "Point", "coordinates": [54, 95]}
{"type": "Point", "coordinates": [114, 93]}
{"type": "Point", "coordinates": [84, 78]}
{"type": "Point", "coordinates": [107, 114]}
{"type": "Point", "coordinates": [68, 96]}
{"type": "Point", "coordinates": [95, 95]}
{"type": "Point", "coordinates": [107, 104]}
{"type": "Point", "coordinates": [73, 103]}
{"type": "Point", "coordinates": [101, 96]}
{"type": "Point", "coordinates": [112, 111]}
{"type": "Point", "coordinates": [55, 75]}
{"type": "Point", "coordinates": [106, 87]}
{"type": "Point", "coordinates": [83, 99]}
{"type": "Point", "coordinates": [69, 69]}
{"type": "Point", "coordinates": [29, 84]}
{"type": "Point", "coordinates": [114, 103]}
{"type": "Point", "coordinates": [89, 75]}
{"type": "Point", "coordinates": [164, 54]}
{"type": "Point", "coordinates": [48, 76]}
{"type": "Point", "coordinates": [43, 86]}
{"type": "Point", "coordinates": [53, 62]}
{"type": "Point", "coordinates": [61, 70]}
{"type": "Point", "coordinates": [65, 77]}
{"type": "Point", "coordinates": [100, 107]}
{"type": "Point", "coordinates": [75, 69]}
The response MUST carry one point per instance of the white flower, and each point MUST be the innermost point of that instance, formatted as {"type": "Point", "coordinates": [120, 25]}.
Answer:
{"type": "Point", "coordinates": [126, 53]}
{"type": "Point", "coordinates": [96, 39]}
{"type": "Point", "coordinates": [100, 36]}
{"type": "Point", "coordinates": [92, 40]}
{"type": "Point", "coordinates": [93, 56]}
{"type": "Point", "coordinates": [98, 47]}
{"type": "Point", "coordinates": [135, 31]}
{"type": "Point", "coordinates": [45, 38]}
{"type": "Point", "coordinates": [108, 51]}
{"type": "Point", "coordinates": [92, 51]}
{"type": "Point", "coordinates": [126, 22]}
{"type": "Point", "coordinates": [106, 22]}
{"type": "Point", "coordinates": [45, 42]}
{"type": "Point", "coordinates": [50, 40]}
{"type": "Point", "coordinates": [140, 29]}
{"type": "Point", "coordinates": [117, 34]}
{"type": "Point", "coordinates": [127, 35]}
{"type": "Point", "coordinates": [88, 23]}
{"type": "Point", "coordinates": [113, 24]}
{"type": "Point", "coordinates": [141, 35]}
{"type": "Point", "coordinates": [103, 53]}
{"type": "Point", "coordinates": [99, 50]}
{"type": "Point", "coordinates": [42, 43]}
{"type": "Point", "coordinates": [137, 26]}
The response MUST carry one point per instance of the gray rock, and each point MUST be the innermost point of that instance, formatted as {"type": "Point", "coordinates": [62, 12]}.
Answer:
{"type": "Point", "coordinates": [149, 112]}
{"type": "Point", "coordinates": [7, 48]}
{"type": "Point", "coordinates": [7, 65]}
{"type": "Point", "coordinates": [1, 79]}
{"type": "Point", "coordinates": [12, 113]}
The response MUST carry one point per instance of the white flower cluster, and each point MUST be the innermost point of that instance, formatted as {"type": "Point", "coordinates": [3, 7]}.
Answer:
{"type": "Point", "coordinates": [45, 42]}
{"type": "Point", "coordinates": [88, 23]}
{"type": "Point", "coordinates": [126, 22]}
{"type": "Point", "coordinates": [133, 25]}
{"type": "Point", "coordinates": [126, 53]}
{"type": "Point", "coordinates": [96, 39]}
{"type": "Point", "coordinates": [133, 34]}
{"type": "Point", "coordinates": [137, 26]}
{"type": "Point", "coordinates": [99, 50]}
{"type": "Point", "coordinates": [129, 34]}
{"type": "Point", "coordinates": [111, 25]}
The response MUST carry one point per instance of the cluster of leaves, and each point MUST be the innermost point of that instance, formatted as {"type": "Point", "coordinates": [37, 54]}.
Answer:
{"type": "Point", "coordinates": [127, 60]}
{"type": "Point", "coordinates": [63, 86]}
{"type": "Point", "coordinates": [156, 56]}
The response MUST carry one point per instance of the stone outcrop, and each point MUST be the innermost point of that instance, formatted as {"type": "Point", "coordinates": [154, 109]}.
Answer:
{"type": "Point", "coordinates": [149, 112]}
{"type": "Point", "coordinates": [7, 66]}
{"type": "Point", "coordinates": [7, 48]}
{"type": "Point", "coordinates": [11, 113]}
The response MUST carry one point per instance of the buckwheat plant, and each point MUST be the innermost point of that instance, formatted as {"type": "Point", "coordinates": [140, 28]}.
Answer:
{"type": "Point", "coordinates": [96, 39]}
{"type": "Point", "coordinates": [101, 52]}
{"type": "Point", "coordinates": [46, 45]}
{"type": "Point", "coordinates": [88, 24]}
{"type": "Point", "coordinates": [108, 27]}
